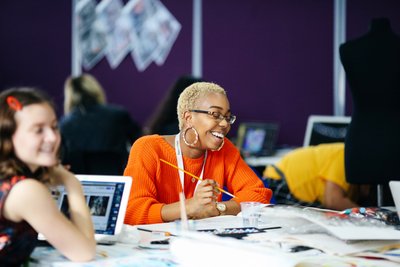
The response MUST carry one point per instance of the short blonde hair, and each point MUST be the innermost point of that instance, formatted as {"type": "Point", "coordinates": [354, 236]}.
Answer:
{"type": "Point", "coordinates": [82, 89]}
{"type": "Point", "coordinates": [189, 97]}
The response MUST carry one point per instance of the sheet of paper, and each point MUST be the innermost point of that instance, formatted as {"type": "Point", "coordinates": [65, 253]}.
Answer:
{"type": "Point", "coordinates": [343, 229]}
{"type": "Point", "coordinates": [332, 245]}
{"type": "Point", "coordinates": [118, 255]}
{"type": "Point", "coordinates": [188, 250]}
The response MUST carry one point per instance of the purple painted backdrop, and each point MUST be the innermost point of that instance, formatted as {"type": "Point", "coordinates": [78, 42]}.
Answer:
{"type": "Point", "coordinates": [273, 57]}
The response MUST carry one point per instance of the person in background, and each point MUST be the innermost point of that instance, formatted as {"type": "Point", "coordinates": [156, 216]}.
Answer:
{"type": "Point", "coordinates": [314, 176]}
{"type": "Point", "coordinates": [29, 166]}
{"type": "Point", "coordinates": [164, 121]}
{"type": "Point", "coordinates": [201, 148]}
{"type": "Point", "coordinates": [96, 136]}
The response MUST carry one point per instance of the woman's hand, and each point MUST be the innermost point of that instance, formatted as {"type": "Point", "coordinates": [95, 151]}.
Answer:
{"type": "Point", "coordinates": [202, 204]}
{"type": "Point", "coordinates": [336, 198]}
{"type": "Point", "coordinates": [60, 175]}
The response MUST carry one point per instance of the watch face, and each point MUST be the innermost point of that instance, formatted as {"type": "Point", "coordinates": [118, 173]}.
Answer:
{"type": "Point", "coordinates": [221, 207]}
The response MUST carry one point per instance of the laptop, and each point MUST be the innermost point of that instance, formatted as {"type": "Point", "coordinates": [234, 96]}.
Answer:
{"type": "Point", "coordinates": [257, 139]}
{"type": "Point", "coordinates": [395, 189]}
{"type": "Point", "coordinates": [107, 198]}
{"type": "Point", "coordinates": [325, 129]}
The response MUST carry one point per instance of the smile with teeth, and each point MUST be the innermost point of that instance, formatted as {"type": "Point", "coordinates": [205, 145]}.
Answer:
{"type": "Point", "coordinates": [217, 134]}
{"type": "Point", "coordinates": [46, 149]}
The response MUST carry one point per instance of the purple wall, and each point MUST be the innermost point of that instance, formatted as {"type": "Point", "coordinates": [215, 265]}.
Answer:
{"type": "Point", "coordinates": [273, 57]}
{"type": "Point", "coordinates": [359, 21]}
{"type": "Point", "coordinates": [35, 44]}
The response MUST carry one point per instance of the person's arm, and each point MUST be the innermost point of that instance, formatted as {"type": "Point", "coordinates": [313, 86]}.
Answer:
{"type": "Point", "coordinates": [31, 201]}
{"type": "Point", "coordinates": [232, 207]}
{"type": "Point", "coordinates": [201, 205]}
{"type": "Point", "coordinates": [153, 181]}
{"type": "Point", "coordinates": [78, 208]}
{"type": "Point", "coordinates": [154, 197]}
{"type": "Point", "coordinates": [171, 212]}
{"type": "Point", "coordinates": [336, 198]}
{"type": "Point", "coordinates": [242, 180]}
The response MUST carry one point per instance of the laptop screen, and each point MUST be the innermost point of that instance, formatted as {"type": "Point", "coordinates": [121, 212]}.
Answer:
{"type": "Point", "coordinates": [104, 201]}
{"type": "Point", "coordinates": [395, 190]}
{"type": "Point", "coordinates": [325, 129]}
{"type": "Point", "coordinates": [107, 199]}
{"type": "Point", "coordinates": [257, 139]}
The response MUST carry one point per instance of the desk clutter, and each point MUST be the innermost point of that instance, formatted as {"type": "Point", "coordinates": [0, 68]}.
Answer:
{"type": "Point", "coordinates": [286, 236]}
{"type": "Point", "coordinates": [238, 233]}
{"type": "Point", "coordinates": [350, 224]}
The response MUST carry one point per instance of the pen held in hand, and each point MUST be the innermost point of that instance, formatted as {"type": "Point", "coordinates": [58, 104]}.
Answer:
{"type": "Point", "coordinates": [196, 177]}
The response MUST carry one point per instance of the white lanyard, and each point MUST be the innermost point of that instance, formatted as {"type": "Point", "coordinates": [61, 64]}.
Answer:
{"type": "Point", "coordinates": [179, 159]}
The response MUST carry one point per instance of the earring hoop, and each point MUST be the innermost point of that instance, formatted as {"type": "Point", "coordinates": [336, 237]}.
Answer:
{"type": "Point", "coordinates": [196, 134]}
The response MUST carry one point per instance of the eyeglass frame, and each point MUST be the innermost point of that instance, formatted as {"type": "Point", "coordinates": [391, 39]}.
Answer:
{"type": "Point", "coordinates": [230, 119]}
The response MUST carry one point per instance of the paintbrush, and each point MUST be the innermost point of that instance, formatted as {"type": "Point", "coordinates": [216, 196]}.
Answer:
{"type": "Point", "coordinates": [194, 176]}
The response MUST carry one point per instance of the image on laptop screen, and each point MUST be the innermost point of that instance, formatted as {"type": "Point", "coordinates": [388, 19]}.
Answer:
{"type": "Point", "coordinates": [257, 139]}
{"type": "Point", "coordinates": [254, 140]}
{"type": "Point", "coordinates": [107, 199]}
{"type": "Point", "coordinates": [104, 201]}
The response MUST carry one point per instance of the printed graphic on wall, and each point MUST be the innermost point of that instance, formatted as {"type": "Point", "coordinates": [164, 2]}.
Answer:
{"type": "Point", "coordinates": [92, 41]}
{"type": "Point", "coordinates": [143, 28]}
{"type": "Point", "coordinates": [116, 29]}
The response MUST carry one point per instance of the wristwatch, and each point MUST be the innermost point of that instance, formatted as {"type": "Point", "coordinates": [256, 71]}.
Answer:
{"type": "Point", "coordinates": [221, 207]}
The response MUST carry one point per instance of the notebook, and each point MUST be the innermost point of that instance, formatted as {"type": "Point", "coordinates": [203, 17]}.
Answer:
{"type": "Point", "coordinates": [107, 198]}
{"type": "Point", "coordinates": [257, 139]}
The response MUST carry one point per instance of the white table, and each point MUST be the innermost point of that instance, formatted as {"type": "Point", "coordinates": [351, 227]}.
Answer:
{"type": "Point", "coordinates": [194, 249]}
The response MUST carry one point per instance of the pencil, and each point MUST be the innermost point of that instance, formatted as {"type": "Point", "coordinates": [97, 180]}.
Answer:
{"type": "Point", "coordinates": [104, 254]}
{"type": "Point", "coordinates": [196, 177]}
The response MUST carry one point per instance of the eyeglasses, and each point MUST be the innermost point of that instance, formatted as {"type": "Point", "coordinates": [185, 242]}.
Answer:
{"type": "Point", "coordinates": [216, 115]}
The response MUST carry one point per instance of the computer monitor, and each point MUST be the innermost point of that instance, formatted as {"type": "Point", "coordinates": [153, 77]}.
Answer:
{"type": "Point", "coordinates": [325, 129]}
{"type": "Point", "coordinates": [257, 139]}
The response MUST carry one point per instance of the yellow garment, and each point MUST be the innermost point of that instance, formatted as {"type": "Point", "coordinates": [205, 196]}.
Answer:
{"type": "Point", "coordinates": [306, 170]}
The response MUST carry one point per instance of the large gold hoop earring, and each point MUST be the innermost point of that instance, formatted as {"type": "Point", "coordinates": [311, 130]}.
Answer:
{"type": "Point", "coordinates": [196, 134]}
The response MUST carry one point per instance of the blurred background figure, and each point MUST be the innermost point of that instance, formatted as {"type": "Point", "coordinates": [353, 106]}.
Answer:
{"type": "Point", "coordinates": [96, 136]}
{"type": "Point", "coordinates": [164, 119]}
{"type": "Point", "coordinates": [315, 176]}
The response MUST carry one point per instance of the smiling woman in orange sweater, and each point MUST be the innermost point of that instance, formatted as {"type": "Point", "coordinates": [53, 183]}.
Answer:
{"type": "Point", "coordinates": [200, 148]}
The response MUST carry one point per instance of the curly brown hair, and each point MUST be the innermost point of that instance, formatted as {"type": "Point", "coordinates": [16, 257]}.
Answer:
{"type": "Point", "coordinates": [10, 164]}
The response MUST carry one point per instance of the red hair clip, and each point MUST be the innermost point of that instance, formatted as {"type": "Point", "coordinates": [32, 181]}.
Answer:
{"type": "Point", "coordinates": [13, 103]}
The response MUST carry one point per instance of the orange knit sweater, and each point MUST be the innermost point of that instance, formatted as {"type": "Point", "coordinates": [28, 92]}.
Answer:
{"type": "Point", "coordinates": [155, 183]}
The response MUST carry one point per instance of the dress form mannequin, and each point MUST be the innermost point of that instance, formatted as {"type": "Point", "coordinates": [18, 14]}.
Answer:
{"type": "Point", "coordinates": [372, 66]}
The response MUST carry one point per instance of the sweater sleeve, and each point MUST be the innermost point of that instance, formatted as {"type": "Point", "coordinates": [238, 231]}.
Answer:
{"type": "Point", "coordinates": [240, 179]}
{"type": "Point", "coordinates": [143, 207]}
